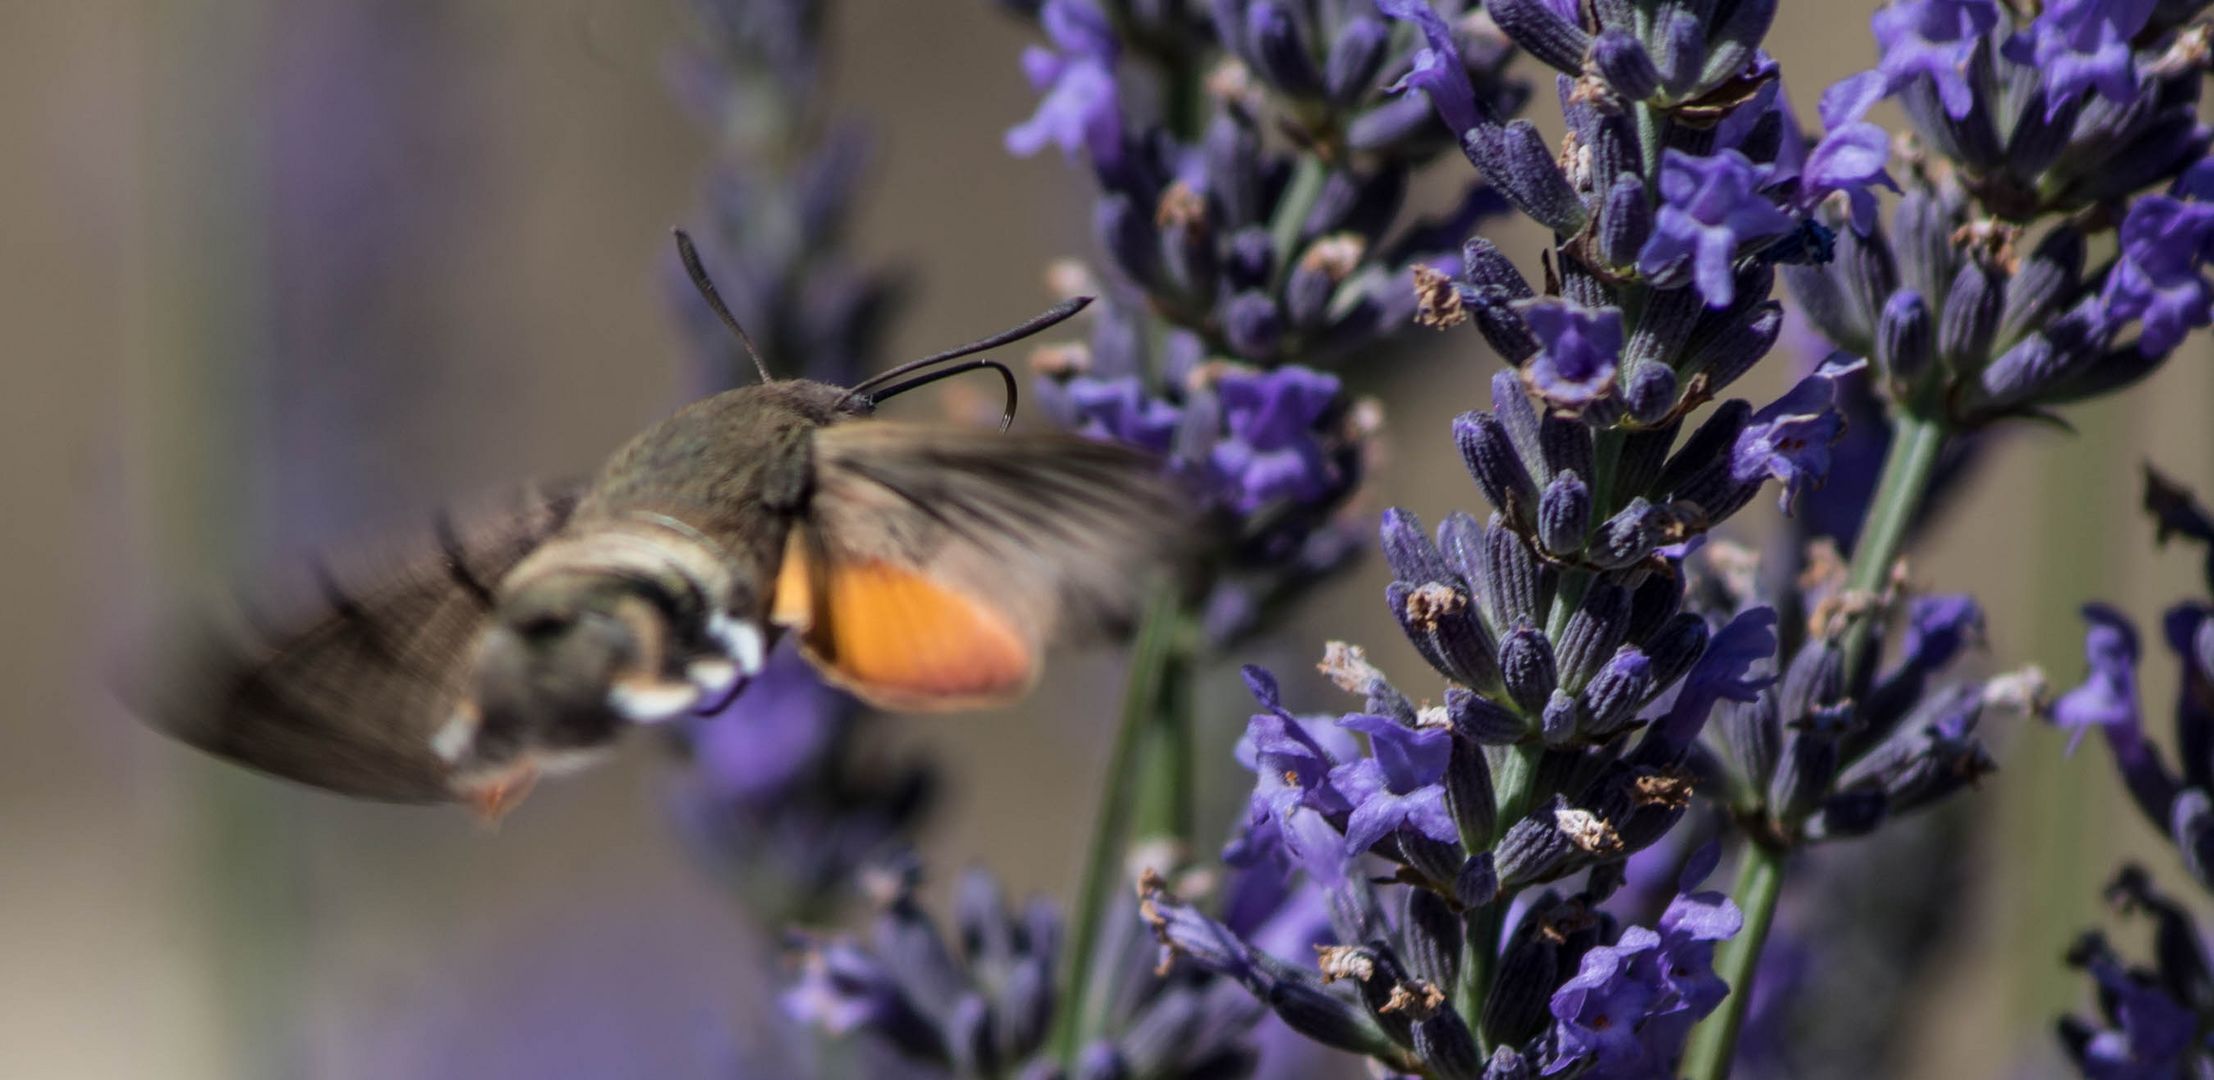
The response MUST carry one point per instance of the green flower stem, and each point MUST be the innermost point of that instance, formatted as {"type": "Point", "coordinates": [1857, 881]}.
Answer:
{"type": "Point", "coordinates": [1307, 181]}
{"type": "Point", "coordinates": [1479, 961]}
{"type": "Point", "coordinates": [1916, 441]}
{"type": "Point", "coordinates": [1154, 724]}
{"type": "Point", "coordinates": [1714, 1041]}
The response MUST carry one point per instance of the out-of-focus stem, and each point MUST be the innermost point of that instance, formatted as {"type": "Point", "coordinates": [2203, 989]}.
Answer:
{"type": "Point", "coordinates": [1714, 1041]}
{"type": "Point", "coordinates": [1142, 725]}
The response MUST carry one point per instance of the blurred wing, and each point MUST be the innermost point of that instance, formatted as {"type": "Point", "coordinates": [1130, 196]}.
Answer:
{"type": "Point", "coordinates": [935, 564]}
{"type": "Point", "coordinates": [348, 684]}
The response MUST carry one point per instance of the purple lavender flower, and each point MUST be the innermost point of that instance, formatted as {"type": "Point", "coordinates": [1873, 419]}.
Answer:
{"type": "Point", "coordinates": [1630, 1006]}
{"type": "Point", "coordinates": [2151, 1034]}
{"type": "Point", "coordinates": [1710, 208]}
{"type": "Point", "coordinates": [1852, 154]}
{"type": "Point", "coordinates": [1399, 786]}
{"type": "Point", "coordinates": [1270, 450]}
{"type": "Point", "coordinates": [1437, 71]}
{"type": "Point", "coordinates": [2107, 699]}
{"type": "Point", "coordinates": [1790, 438]}
{"type": "Point", "coordinates": [1933, 39]}
{"type": "Point", "coordinates": [2160, 278]}
{"type": "Point", "coordinates": [1079, 111]}
{"type": "Point", "coordinates": [2084, 45]}
{"type": "Point", "coordinates": [1120, 410]}
{"type": "Point", "coordinates": [1581, 349]}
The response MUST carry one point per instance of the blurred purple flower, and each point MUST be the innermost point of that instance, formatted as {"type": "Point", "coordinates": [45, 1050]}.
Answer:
{"type": "Point", "coordinates": [1581, 350]}
{"type": "Point", "coordinates": [1790, 439]}
{"type": "Point", "coordinates": [1852, 154]}
{"type": "Point", "coordinates": [1270, 450]}
{"type": "Point", "coordinates": [2084, 45]}
{"type": "Point", "coordinates": [2160, 279]}
{"type": "Point", "coordinates": [1933, 39]}
{"type": "Point", "coordinates": [1079, 111]}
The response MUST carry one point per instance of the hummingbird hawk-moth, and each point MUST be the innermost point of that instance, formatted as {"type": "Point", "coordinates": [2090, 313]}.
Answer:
{"type": "Point", "coordinates": [921, 566]}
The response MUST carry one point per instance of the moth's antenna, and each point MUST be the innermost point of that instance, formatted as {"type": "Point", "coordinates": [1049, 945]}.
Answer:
{"type": "Point", "coordinates": [1006, 377]}
{"type": "Point", "coordinates": [700, 281]}
{"type": "Point", "coordinates": [1042, 321]}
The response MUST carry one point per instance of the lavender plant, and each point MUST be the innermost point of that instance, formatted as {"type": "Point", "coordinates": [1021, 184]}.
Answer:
{"type": "Point", "coordinates": [1251, 163]}
{"type": "Point", "coordinates": [2151, 1019]}
{"type": "Point", "coordinates": [779, 794]}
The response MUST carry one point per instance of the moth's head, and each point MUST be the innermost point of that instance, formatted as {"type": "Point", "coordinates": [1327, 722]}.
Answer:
{"type": "Point", "coordinates": [587, 636]}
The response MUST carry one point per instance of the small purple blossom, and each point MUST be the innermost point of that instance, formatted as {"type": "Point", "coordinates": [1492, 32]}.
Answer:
{"type": "Point", "coordinates": [1851, 157]}
{"type": "Point", "coordinates": [1631, 1005]}
{"type": "Point", "coordinates": [1581, 350]}
{"type": "Point", "coordinates": [1437, 71]}
{"type": "Point", "coordinates": [1790, 439]}
{"type": "Point", "coordinates": [2107, 699]}
{"type": "Point", "coordinates": [1080, 111]}
{"type": "Point", "coordinates": [2160, 278]}
{"type": "Point", "coordinates": [1933, 38]}
{"type": "Point", "coordinates": [1121, 411]}
{"type": "Point", "coordinates": [2084, 45]}
{"type": "Point", "coordinates": [1710, 207]}
{"type": "Point", "coordinates": [1398, 786]}
{"type": "Point", "coordinates": [1270, 450]}
{"type": "Point", "coordinates": [2152, 1033]}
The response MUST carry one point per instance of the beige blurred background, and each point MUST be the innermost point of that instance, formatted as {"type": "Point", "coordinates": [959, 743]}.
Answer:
{"type": "Point", "coordinates": [160, 916]}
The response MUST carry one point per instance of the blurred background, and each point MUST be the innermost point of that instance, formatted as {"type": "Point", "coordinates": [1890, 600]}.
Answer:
{"type": "Point", "coordinates": [278, 272]}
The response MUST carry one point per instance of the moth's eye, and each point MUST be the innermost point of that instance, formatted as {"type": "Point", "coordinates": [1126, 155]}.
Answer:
{"type": "Point", "coordinates": [544, 626]}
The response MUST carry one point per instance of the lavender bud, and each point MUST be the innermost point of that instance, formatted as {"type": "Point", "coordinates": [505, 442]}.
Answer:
{"type": "Point", "coordinates": [1442, 625]}
{"type": "Point", "coordinates": [1815, 680]}
{"type": "Point", "coordinates": [1461, 543]}
{"type": "Point", "coordinates": [1736, 347]}
{"type": "Point", "coordinates": [1233, 153]}
{"type": "Point", "coordinates": [1527, 668]}
{"type": "Point", "coordinates": [1443, 1043]}
{"type": "Point", "coordinates": [1485, 268]}
{"type": "Point", "coordinates": [1537, 848]}
{"type": "Point", "coordinates": [1664, 326]}
{"type": "Point", "coordinates": [1349, 74]}
{"type": "Point", "coordinates": [1922, 228]}
{"type": "Point", "coordinates": [1252, 259]}
{"type": "Point", "coordinates": [1529, 970]}
{"type": "Point", "coordinates": [1732, 44]}
{"type": "Point", "coordinates": [1848, 814]}
{"type": "Point", "coordinates": [1478, 882]}
{"type": "Point", "coordinates": [1564, 445]}
{"type": "Point", "coordinates": [1497, 469]}
{"type": "Point", "coordinates": [1392, 124]}
{"type": "Point", "coordinates": [1277, 51]}
{"type": "Point", "coordinates": [1253, 326]}
{"type": "Point", "coordinates": [2037, 141]}
{"type": "Point", "coordinates": [1409, 552]}
{"type": "Point", "coordinates": [1611, 699]}
{"type": "Point", "coordinates": [1307, 295]}
{"type": "Point", "coordinates": [1870, 274]}
{"type": "Point", "coordinates": [1643, 454]}
{"type": "Point", "coordinates": [1904, 345]}
{"type": "Point", "coordinates": [1324, 1017]}
{"type": "Point", "coordinates": [2163, 150]}
{"type": "Point", "coordinates": [1675, 647]}
{"type": "Point", "coordinates": [1433, 937]}
{"type": "Point", "coordinates": [2046, 284]}
{"type": "Point", "coordinates": [1479, 718]}
{"type": "Point", "coordinates": [1656, 599]}
{"type": "Point", "coordinates": [1593, 633]}
{"type": "Point", "coordinates": [1435, 861]}
{"type": "Point", "coordinates": [1538, 28]}
{"type": "Point", "coordinates": [1805, 767]}
{"type": "Point", "coordinates": [1126, 233]}
{"type": "Point", "coordinates": [1630, 535]}
{"type": "Point", "coordinates": [1684, 54]}
{"type": "Point", "coordinates": [1188, 258]}
{"type": "Point", "coordinates": [1507, 1064]}
{"type": "Point", "coordinates": [1517, 585]}
{"type": "Point", "coordinates": [1707, 450]}
{"type": "Point", "coordinates": [1520, 419]}
{"type": "Point", "coordinates": [1521, 166]}
{"type": "Point", "coordinates": [1564, 512]}
{"type": "Point", "coordinates": [1971, 317]}
{"type": "Point", "coordinates": [1821, 298]}
{"type": "Point", "coordinates": [1625, 221]}
{"type": "Point", "coordinates": [1750, 734]}
{"type": "Point", "coordinates": [1650, 392]}
{"type": "Point", "coordinates": [1622, 60]}
{"type": "Point", "coordinates": [1469, 794]}
{"type": "Point", "coordinates": [969, 1037]}
{"type": "Point", "coordinates": [1562, 720]}
{"type": "Point", "coordinates": [1025, 1009]}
